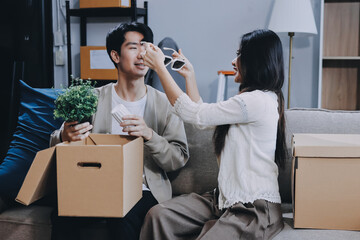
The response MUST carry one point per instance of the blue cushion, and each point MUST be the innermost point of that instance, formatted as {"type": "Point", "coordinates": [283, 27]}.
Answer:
{"type": "Point", "coordinates": [32, 134]}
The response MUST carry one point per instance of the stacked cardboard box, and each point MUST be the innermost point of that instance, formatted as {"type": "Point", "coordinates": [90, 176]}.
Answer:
{"type": "Point", "coordinates": [326, 181]}
{"type": "Point", "coordinates": [104, 3]}
{"type": "Point", "coordinates": [96, 64]}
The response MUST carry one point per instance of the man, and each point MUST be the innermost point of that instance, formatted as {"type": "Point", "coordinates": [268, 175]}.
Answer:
{"type": "Point", "coordinates": [165, 145]}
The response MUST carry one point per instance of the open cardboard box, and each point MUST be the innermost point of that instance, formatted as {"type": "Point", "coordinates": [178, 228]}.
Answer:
{"type": "Point", "coordinates": [100, 176]}
{"type": "Point", "coordinates": [326, 181]}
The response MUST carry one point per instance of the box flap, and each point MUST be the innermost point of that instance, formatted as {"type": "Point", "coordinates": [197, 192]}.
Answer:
{"type": "Point", "coordinates": [293, 169]}
{"type": "Point", "coordinates": [109, 139]}
{"type": "Point", "coordinates": [40, 179]}
{"type": "Point", "coordinates": [89, 141]}
{"type": "Point", "coordinates": [326, 145]}
{"type": "Point", "coordinates": [133, 164]}
{"type": "Point", "coordinates": [81, 142]}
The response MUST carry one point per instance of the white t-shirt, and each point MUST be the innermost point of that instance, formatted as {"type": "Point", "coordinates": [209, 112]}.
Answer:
{"type": "Point", "coordinates": [136, 108]}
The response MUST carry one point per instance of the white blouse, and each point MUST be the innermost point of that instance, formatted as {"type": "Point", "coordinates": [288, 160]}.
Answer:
{"type": "Point", "coordinates": [247, 170]}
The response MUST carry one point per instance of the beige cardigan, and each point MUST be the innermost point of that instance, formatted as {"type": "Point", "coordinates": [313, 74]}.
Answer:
{"type": "Point", "coordinates": [166, 151]}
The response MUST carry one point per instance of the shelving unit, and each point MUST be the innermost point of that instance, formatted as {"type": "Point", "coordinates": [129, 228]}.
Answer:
{"type": "Point", "coordinates": [223, 84]}
{"type": "Point", "coordinates": [339, 86]}
{"type": "Point", "coordinates": [133, 12]}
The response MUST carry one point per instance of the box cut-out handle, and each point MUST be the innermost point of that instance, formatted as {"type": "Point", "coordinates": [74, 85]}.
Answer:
{"type": "Point", "coordinates": [89, 165]}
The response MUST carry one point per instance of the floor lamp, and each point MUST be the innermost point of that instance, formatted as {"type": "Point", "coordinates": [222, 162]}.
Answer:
{"type": "Point", "coordinates": [292, 16]}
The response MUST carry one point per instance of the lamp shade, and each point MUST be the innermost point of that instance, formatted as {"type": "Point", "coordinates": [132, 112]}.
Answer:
{"type": "Point", "coordinates": [292, 16]}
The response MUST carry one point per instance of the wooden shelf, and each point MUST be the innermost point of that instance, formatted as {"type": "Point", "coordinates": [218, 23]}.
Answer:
{"type": "Point", "coordinates": [226, 72]}
{"type": "Point", "coordinates": [84, 13]}
{"type": "Point", "coordinates": [341, 28]}
{"type": "Point", "coordinates": [340, 83]}
{"type": "Point", "coordinates": [342, 58]}
{"type": "Point", "coordinates": [107, 12]}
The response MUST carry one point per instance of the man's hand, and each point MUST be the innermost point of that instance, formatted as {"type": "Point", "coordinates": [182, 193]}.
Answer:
{"type": "Point", "coordinates": [136, 126]}
{"type": "Point", "coordinates": [73, 131]}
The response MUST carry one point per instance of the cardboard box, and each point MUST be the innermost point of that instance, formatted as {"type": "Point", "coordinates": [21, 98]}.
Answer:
{"type": "Point", "coordinates": [100, 176]}
{"type": "Point", "coordinates": [104, 3]}
{"type": "Point", "coordinates": [95, 63]}
{"type": "Point", "coordinates": [326, 181]}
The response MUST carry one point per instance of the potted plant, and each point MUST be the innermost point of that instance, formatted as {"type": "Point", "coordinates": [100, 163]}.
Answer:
{"type": "Point", "coordinates": [78, 102]}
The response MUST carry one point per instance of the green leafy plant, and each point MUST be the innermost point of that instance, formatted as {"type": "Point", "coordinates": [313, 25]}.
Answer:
{"type": "Point", "coordinates": [78, 102]}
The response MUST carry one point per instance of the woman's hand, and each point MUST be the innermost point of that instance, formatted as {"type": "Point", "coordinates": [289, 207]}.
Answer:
{"type": "Point", "coordinates": [187, 71]}
{"type": "Point", "coordinates": [153, 57]}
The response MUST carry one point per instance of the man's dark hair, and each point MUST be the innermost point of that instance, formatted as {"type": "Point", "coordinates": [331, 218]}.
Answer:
{"type": "Point", "coordinates": [116, 36]}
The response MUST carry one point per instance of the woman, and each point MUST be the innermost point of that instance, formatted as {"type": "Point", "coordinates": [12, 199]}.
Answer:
{"type": "Point", "coordinates": [249, 143]}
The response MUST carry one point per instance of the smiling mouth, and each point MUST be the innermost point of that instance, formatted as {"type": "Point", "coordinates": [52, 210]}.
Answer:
{"type": "Point", "coordinates": [140, 66]}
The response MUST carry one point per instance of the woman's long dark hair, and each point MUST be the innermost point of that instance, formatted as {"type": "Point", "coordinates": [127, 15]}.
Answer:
{"type": "Point", "coordinates": [260, 59]}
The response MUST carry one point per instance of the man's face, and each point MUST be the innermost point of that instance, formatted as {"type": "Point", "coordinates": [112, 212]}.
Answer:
{"type": "Point", "coordinates": [130, 62]}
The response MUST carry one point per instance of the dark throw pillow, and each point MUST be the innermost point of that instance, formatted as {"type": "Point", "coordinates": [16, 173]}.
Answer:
{"type": "Point", "coordinates": [32, 134]}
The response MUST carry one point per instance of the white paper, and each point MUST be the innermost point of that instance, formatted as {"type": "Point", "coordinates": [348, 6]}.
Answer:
{"type": "Point", "coordinates": [125, 3]}
{"type": "Point", "coordinates": [99, 59]}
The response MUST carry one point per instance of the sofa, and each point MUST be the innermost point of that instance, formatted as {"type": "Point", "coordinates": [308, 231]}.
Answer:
{"type": "Point", "coordinates": [19, 222]}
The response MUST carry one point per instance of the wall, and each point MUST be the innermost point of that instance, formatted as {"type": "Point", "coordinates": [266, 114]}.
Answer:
{"type": "Point", "coordinates": [209, 33]}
